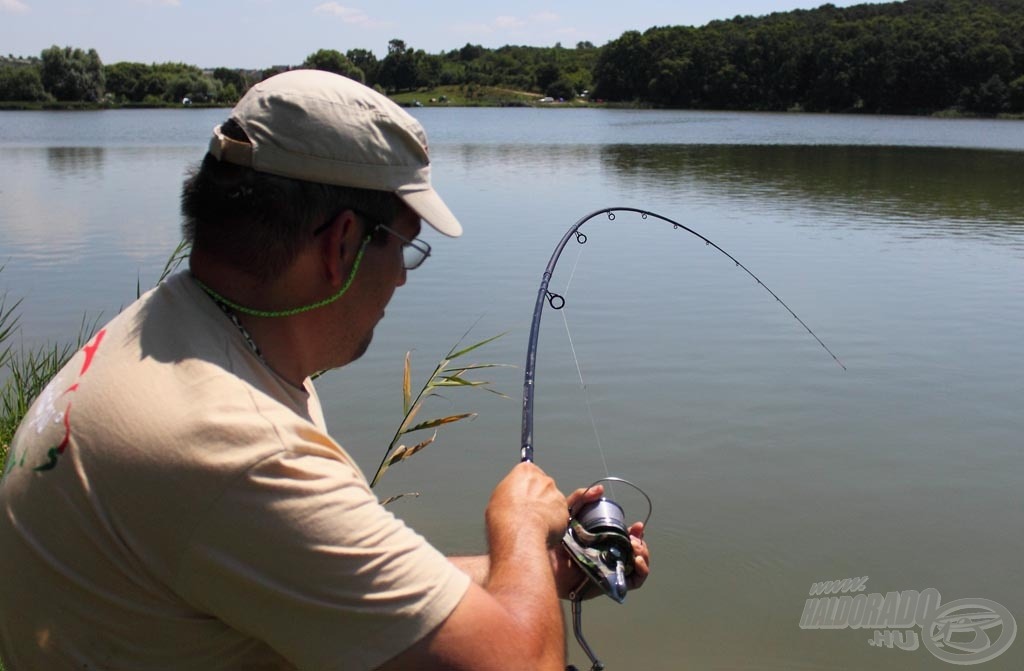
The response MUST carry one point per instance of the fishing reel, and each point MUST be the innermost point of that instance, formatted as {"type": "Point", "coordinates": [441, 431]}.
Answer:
{"type": "Point", "coordinates": [597, 540]}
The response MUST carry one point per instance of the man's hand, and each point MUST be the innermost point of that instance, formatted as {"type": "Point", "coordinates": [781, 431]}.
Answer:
{"type": "Point", "coordinates": [568, 576]}
{"type": "Point", "coordinates": [526, 501]}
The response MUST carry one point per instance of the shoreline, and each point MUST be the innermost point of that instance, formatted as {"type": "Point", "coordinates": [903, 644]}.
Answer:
{"type": "Point", "coordinates": [94, 107]}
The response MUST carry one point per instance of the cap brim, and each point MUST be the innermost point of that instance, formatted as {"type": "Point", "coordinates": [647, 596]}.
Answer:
{"type": "Point", "coordinates": [432, 210]}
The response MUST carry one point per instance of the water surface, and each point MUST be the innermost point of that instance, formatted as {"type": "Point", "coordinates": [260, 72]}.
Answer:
{"type": "Point", "coordinates": [900, 241]}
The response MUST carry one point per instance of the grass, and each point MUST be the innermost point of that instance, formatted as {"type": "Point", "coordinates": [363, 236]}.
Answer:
{"type": "Point", "coordinates": [471, 95]}
{"type": "Point", "coordinates": [26, 371]}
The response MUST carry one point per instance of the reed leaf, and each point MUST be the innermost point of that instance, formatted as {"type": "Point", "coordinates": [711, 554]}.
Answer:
{"type": "Point", "coordinates": [443, 376]}
{"type": "Point", "coordinates": [455, 381]}
{"type": "Point", "coordinates": [401, 453]}
{"type": "Point", "coordinates": [455, 355]}
{"type": "Point", "coordinates": [441, 421]}
{"type": "Point", "coordinates": [406, 384]}
{"type": "Point", "coordinates": [8, 325]}
{"type": "Point", "coordinates": [176, 258]}
{"type": "Point", "coordinates": [394, 498]}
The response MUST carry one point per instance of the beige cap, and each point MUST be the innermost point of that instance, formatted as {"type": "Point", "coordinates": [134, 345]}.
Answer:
{"type": "Point", "coordinates": [321, 127]}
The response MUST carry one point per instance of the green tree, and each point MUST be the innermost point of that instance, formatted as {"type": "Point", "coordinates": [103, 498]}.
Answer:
{"type": "Point", "coordinates": [915, 56]}
{"type": "Point", "coordinates": [365, 60]}
{"type": "Point", "coordinates": [1017, 94]}
{"type": "Point", "coordinates": [471, 52]}
{"type": "Point", "coordinates": [428, 69]}
{"type": "Point", "coordinates": [233, 82]}
{"type": "Point", "coordinates": [546, 75]}
{"type": "Point", "coordinates": [990, 97]}
{"type": "Point", "coordinates": [21, 83]}
{"type": "Point", "coordinates": [334, 61]}
{"type": "Point", "coordinates": [127, 81]}
{"type": "Point", "coordinates": [270, 72]}
{"type": "Point", "coordinates": [398, 69]}
{"type": "Point", "coordinates": [560, 89]}
{"type": "Point", "coordinates": [621, 72]}
{"type": "Point", "coordinates": [72, 74]}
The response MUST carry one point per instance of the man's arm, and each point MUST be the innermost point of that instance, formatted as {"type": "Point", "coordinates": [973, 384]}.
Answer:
{"type": "Point", "coordinates": [477, 567]}
{"type": "Point", "coordinates": [514, 619]}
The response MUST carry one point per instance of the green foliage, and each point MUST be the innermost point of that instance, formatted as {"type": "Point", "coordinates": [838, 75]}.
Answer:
{"type": "Point", "coordinates": [398, 70]}
{"type": "Point", "coordinates": [561, 89]}
{"type": "Point", "coordinates": [21, 83]}
{"type": "Point", "coordinates": [72, 74]}
{"type": "Point", "coordinates": [367, 62]}
{"type": "Point", "coordinates": [237, 81]}
{"type": "Point", "coordinates": [469, 95]}
{"type": "Point", "coordinates": [1017, 93]}
{"type": "Point", "coordinates": [334, 61]}
{"type": "Point", "coordinates": [916, 56]}
{"type": "Point", "coordinates": [8, 327]}
{"type": "Point", "coordinates": [25, 372]}
{"type": "Point", "coordinates": [911, 57]}
{"type": "Point", "coordinates": [164, 83]}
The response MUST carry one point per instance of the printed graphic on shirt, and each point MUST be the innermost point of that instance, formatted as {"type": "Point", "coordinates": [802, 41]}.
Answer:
{"type": "Point", "coordinates": [54, 408]}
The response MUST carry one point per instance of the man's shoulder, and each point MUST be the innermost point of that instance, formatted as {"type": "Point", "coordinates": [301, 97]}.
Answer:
{"type": "Point", "coordinates": [170, 380]}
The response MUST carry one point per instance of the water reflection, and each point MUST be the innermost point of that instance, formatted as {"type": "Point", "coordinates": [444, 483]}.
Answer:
{"type": "Point", "coordinates": [933, 190]}
{"type": "Point", "coordinates": [769, 467]}
{"type": "Point", "coordinates": [75, 161]}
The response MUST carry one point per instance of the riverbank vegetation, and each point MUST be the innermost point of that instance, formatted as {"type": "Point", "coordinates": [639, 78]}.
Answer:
{"type": "Point", "coordinates": [913, 57]}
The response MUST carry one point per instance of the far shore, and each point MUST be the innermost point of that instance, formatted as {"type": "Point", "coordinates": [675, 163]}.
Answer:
{"type": "Point", "coordinates": [418, 100]}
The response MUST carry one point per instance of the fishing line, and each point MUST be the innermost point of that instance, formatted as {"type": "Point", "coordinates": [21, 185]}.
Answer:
{"type": "Point", "coordinates": [586, 394]}
{"type": "Point", "coordinates": [579, 369]}
{"type": "Point", "coordinates": [557, 302]}
{"type": "Point", "coordinates": [597, 537]}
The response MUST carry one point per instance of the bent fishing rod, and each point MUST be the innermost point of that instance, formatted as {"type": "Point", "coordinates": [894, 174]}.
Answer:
{"type": "Point", "coordinates": [597, 536]}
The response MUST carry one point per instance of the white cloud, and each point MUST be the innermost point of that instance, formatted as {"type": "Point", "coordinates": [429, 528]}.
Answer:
{"type": "Point", "coordinates": [160, 3]}
{"type": "Point", "coordinates": [473, 28]}
{"type": "Point", "coordinates": [13, 7]}
{"type": "Point", "coordinates": [348, 14]}
{"type": "Point", "coordinates": [544, 17]}
{"type": "Point", "coordinates": [508, 22]}
{"type": "Point", "coordinates": [512, 24]}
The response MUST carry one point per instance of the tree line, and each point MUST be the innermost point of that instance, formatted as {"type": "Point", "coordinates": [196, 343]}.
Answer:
{"type": "Point", "coordinates": [916, 56]}
{"type": "Point", "coordinates": [68, 74]}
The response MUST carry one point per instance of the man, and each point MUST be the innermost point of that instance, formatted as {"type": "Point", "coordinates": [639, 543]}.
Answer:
{"type": "Point", "coordinates": [172, 499]}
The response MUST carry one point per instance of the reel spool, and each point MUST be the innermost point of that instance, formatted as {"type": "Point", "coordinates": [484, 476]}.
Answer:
{"type": "Point", "coordinates": [597, 540]}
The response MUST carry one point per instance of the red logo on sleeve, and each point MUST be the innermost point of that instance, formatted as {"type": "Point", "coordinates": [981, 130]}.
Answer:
{"type": "Point", "coordinates": [54, 453]}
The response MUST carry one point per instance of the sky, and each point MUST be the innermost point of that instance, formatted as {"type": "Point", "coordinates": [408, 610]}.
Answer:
{"type": "Point", "coordinates": [260, 33]}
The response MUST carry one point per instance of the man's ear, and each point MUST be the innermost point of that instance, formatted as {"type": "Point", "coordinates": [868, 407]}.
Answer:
{"type": "Point", "coordinates": [339, 245]}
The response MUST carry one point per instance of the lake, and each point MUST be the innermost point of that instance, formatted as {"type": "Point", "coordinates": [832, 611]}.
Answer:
{"type": "Point", "coordinates": [899, 241]}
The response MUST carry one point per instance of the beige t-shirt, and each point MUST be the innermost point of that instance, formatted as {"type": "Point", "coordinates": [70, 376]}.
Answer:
{"type": "Point", "coordinates": [171, 503]}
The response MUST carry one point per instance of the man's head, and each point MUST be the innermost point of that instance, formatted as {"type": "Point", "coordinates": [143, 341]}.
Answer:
{"type": "Point", "coordinates": [298, 149]}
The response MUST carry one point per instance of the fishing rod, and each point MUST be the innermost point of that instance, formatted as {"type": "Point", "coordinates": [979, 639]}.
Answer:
{"type": "Point", "coordinates": [597, 537]}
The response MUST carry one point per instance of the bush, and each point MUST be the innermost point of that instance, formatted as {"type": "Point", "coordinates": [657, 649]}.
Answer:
{"type": "Point", "coordinates": [561, 88]}
{"type": "Point", "coordinates": [21, 84]}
